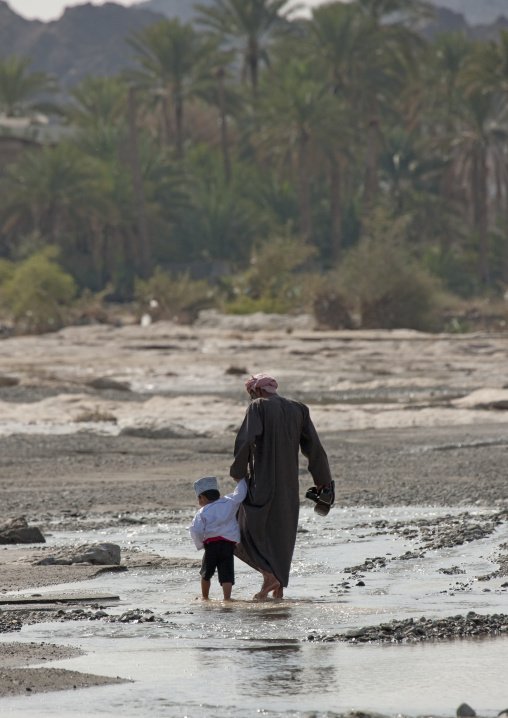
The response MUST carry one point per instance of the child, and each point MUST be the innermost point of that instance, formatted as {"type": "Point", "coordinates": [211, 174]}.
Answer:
{"type": "Point", "coordinates": [215, 529]}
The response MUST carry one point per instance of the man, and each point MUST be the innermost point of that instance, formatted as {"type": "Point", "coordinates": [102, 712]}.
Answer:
{"type": "Point", "coordinates": [266, 448]}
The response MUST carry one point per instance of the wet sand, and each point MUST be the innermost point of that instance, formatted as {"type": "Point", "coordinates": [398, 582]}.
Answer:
{"type": "Point", "coordinates": [407, 420]}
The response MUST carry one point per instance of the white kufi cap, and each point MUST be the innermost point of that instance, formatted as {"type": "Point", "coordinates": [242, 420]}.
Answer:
{"type": "Point", "coordinates": [206, 484]}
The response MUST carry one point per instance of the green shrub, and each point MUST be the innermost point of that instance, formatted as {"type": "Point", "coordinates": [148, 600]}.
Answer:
{"type": "Point", "coordinates": [384, 285]}
{"type": "Point", "coordinates": [38, 293]}
{"type": "Point", "coordinates": [331, 308]}
{"type": "Point", "coordinates": [6, 270]}
{"type": "Point", "coordinates": [275, 281]}
{"type": "Point", "coordinates": [166, 297]}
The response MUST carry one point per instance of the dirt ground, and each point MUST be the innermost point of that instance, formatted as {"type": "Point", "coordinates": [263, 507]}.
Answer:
{"type": "Point", "coordinates": [397, 413]}
{"type": "Point", "coordinates": [16, 679]}
{"type": "Point", "coordinates": [49, 477]}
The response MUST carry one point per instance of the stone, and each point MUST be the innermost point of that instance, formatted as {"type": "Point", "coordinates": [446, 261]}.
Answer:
{"type": "Point", "coordinates": [465, 711]}
{"type": "Point", "coordinates": [6, 381]}
{"type": "Point", "coordinates": [149, 431]}
{"type": "Point", "coordinates": [104, 554]}
{"type": "Point", "coordinates": [105, 383]}
{"type": "Point", "coordinates": [18, 531]}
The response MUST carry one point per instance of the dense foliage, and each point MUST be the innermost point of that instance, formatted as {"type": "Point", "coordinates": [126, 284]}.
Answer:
{"type": "Point", "coordinates": [252, 136]}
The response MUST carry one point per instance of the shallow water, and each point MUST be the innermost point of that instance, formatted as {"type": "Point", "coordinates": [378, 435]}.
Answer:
{"type": "Point", "coordinates": [243, 659]}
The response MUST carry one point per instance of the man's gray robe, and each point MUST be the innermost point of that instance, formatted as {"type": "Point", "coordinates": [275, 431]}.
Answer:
{"type": "Point", "coordinates": [267, 447]}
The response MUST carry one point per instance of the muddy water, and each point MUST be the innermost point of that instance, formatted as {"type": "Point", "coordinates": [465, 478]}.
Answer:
{"type": "Point", "coordinates": [244, 659]}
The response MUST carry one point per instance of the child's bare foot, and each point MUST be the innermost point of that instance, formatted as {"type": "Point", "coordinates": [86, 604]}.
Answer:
{"type": "Point", "coordinates": [270, 584]}
{"type": "Point", "coordinates": [278, 593]}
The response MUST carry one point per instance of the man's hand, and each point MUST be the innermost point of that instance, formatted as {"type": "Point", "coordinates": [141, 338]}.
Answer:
{"type": "Point", "coordinates": [320, 487]}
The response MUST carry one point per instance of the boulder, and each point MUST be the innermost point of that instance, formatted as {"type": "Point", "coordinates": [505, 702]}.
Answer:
{"type": "Point", "coordinates": [6, 381]}
{"type": "Point", "coordinates": [103, 554]}
{"type": "Point", "coordinates": [465, 711]}
{"type": "Point", "coordinates": [104, 383]}
{"type": "Point", "coordinates": [18, 531]}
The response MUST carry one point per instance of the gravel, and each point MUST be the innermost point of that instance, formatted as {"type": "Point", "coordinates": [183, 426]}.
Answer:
{"type": "Point", "coordinates": [423, 629]}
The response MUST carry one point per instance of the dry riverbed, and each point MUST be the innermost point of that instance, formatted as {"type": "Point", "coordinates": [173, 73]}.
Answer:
{"type": "Point", "coordinates": [106, 427]}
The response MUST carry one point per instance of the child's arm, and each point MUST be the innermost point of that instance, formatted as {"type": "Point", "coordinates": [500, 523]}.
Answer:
{"type": "Point", "coordinates": [197, 530]}
{"type": "Point", "coordinates": [239, 493]}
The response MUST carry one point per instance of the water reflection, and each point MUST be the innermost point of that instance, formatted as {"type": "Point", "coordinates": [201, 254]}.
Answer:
{"type": "Point", "coordinates": [240, 659]}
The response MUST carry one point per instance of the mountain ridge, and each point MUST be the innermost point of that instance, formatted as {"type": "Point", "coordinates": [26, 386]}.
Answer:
{"type": "Point", "coordinates": [86, 40]}
{"type": "Point", "coordinates": [91, 40]}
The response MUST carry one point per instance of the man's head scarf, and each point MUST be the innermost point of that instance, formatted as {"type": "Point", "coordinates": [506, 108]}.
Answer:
{"type": "Point", "coordinates": [262, 381]}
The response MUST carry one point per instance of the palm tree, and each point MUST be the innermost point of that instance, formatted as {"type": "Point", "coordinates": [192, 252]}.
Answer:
{"type": "Point", "coordinates": [217, 90]}
{"type": "Point", "coordinates": [56, 193]}
{"type": "Point", "coordinates": [479, 144]}
{"type": "Point", "coordinates": [335, 40]}
{"type": "Point", "coordinates": [171, 58]}
{"type": "Point", "coordinates": [382, 76]}
{"type": "Point", "coordinates": [247, 25]}
{"type": "Point", "coordinates": [487, 74]}
{"type": "Point", "coordinates": [19, 88]}
{"type": "Point", "coordinates": [98, 102]}
{"type": "Point", "coordinates": [366, 61]}
{"type": "Point", "coordinates": [296, 120]}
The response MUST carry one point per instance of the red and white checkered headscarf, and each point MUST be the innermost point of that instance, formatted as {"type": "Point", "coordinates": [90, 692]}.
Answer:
{"type": "Point", "coordinates": [262, 381]}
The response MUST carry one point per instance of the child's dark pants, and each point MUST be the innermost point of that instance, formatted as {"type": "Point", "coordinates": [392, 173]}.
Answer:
{"type": "Point", "coordinates": [219, 555]}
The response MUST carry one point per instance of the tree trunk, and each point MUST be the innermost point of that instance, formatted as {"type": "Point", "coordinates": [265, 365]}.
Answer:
{"type": "Point", "coordinates": [481, 212]}
{"type": "Point", "coordinates": [371, 168]}
{"type": "Point", "coordinates": [166, 123]}
{"type": "Point", "coordinates": [253, 65]}
{"type": "Point", "coordinates": [143, 252]}
{"type": "Point", "coordinates": [304, 190]}
{"type": "Point", "coordinates": [179, 124]}
{"type": "Point", "coordinates": [336, 210]}
{"type": "Point", "coordinates": [505, 258]}
{"type": "Point", "coordinates": [224, 125]}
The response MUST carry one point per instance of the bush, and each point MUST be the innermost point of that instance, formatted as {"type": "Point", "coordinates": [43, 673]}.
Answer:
{"type": "Point", "coordinates": [331, 309]}
{"type": "Point", "coordinates": [274, 283]}
{"type": "Point", "coordinates": [384, 285]}
{"type": "Point", "coordinates": [38, 293]}
{"type": "Point", "coordinates": [6, 270]}
{"type": "Point", "coordinates": [166, 297]}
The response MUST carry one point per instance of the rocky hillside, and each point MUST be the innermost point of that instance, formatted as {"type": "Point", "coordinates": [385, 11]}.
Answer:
{"type": "Point", "coordinates": [183, 9]}
{"type": "Point", "coordinates": [476, 12]}
{"type": "Point", "coordinates": [90, 39]}
{"type": "Point", "coordinates": [473, 12]}
{"type": "Point", "coordinates": [86, 40]}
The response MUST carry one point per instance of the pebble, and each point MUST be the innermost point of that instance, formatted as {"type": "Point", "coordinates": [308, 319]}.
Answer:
{"type": "Point", "coordinates": [424, 629]}
{"type": "Point", "coordinates": [14, 619]}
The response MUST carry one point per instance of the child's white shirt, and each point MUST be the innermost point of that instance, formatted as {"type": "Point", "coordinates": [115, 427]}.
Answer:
{"type": "Point", "coordinates": [219, 518]}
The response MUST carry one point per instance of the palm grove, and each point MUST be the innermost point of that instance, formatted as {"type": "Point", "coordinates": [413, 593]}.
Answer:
{"type": "Point", "coordinates": [340, 162]}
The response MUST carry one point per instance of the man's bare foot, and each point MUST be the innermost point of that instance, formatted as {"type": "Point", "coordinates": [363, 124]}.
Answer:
{"type": "Point", "coordinates": [278, 593]}
{"type": "Point", "coordinates": [270, 584]}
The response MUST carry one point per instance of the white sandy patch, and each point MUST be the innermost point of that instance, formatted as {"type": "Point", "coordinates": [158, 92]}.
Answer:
{"type": "Point", "coordinates": [213, 415]}
{"type": "Point", "coordinates": [482, 398]}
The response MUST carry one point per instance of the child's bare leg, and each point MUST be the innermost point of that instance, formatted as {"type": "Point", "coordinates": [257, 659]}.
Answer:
{"type": "Point", "coordinates": [205, 588]}
{"type": "Point", "coordinates": [270, 583]}
{"type": "Point", "coordinates": [278, 593]}
{"type": "Point", "coordinates": [226, 588]}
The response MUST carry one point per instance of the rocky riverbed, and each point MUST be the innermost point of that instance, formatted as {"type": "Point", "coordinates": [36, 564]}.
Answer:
{"type": "Point", "coordinates": [424, 629]}
{"type": "Point", "coordinates": [104, 429]}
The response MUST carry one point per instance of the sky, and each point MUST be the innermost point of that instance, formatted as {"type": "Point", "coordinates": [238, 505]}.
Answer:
{"type": "Point", "coordinates": [52, 9]}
